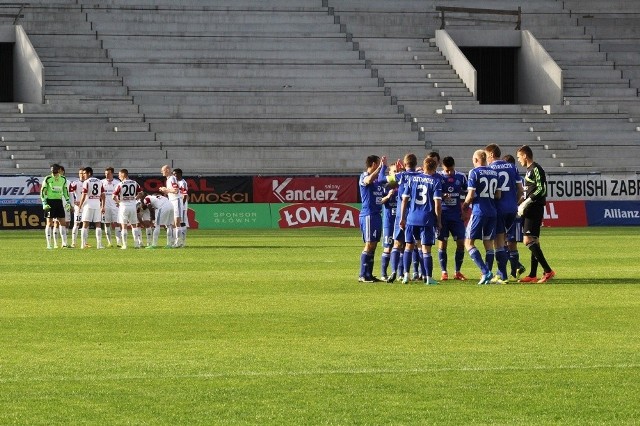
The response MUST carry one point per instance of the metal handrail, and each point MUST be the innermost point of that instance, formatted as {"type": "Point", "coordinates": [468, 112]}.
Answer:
{"type": "Point", "coordinates": [443, 9]}
{"type": "Point", "coordinates": [16, 17]}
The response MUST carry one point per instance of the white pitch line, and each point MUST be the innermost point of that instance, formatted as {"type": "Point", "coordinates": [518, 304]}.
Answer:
{"type": "Point", "coordinates": [363, 371]}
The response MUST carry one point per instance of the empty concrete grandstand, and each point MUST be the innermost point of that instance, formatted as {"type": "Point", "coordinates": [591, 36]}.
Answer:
{"type": "Point", "coordinates": [308, 86]}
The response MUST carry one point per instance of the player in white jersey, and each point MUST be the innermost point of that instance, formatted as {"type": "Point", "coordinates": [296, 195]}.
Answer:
{"type": "Point", "coordinates": [144, 220]}
{"type": "Point", "coordinates": [164, 217]}
{"type": "Point", "coordinates": [172, 191]}
{"type": "Point", "coordinates": [92, 207]}
{"type": "Point", "coordinates": [184, 192]}
{"type": "Point", "coordinates": [125, 198]}
{"type": "Point", "coordinates": [75, 193]}
{"type": "Point", "coordinates": [110, 218]}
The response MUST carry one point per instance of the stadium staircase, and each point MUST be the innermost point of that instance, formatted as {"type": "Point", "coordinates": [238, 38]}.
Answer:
{"type": "Point", "coordinates": [225, 87]}
{"type": "Point", "coordinates": [274, 86]}
{"type": "Point", "coordinates": [596, 129]}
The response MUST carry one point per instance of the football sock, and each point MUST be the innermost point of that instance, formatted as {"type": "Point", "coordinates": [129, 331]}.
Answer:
{"type": "Point", "coordinates": [47, 234]}
{"type": "Point", "coordinates": [514, 259]}
{"type": "Point", "coordinates": [423, 269]}
{"type": "Point", "coordinates": [107, 232]}
{"type": "Point", "coordinates": [488, 259]}
{"type": "Point", "coordinates": [363, 264]}
{"type": "Point", "coordinates": [84, 236]}
{"type": "Point", "coordinates": [395, 260]}
{"type": "Point", "coordinates": [99, 236]}
{"type": "Point", "coordinates": [407, 259]}
{"type": "Point", "coordinates": [537, 252]}
{"type": "Point", "coordinates": [475, 255]}
{"type": "Point", "coordinates": [442, 258]}
{"type": "Point", "coordinates": [415, 256]}
{"type": "Point", "coordinates": [119, 231]}
{"type": "Point", "coordinates": [459, 259]}
{"type": "Point", "coordinates": [428, 264]}
{"type": "Point", "coordinates": [63, 235]}
{"type": "Point", "coordinates": [370, 262]}
{"type": "Point", "coordinates": [384, 263]}
{"type": "Point", "coordinates": [502, 258]}
{"type": "Point", "coordinates": [123, 237]}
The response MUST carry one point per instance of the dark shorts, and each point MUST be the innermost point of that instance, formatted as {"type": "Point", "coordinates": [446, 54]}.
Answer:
{"type": "Point", "coordinates": [532, 220]}
{"type": "Point", "coordinates": [56, 211]}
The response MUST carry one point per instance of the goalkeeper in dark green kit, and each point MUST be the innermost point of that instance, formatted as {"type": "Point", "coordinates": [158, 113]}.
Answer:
{"type": "Point", "coordinates": [54, 194]}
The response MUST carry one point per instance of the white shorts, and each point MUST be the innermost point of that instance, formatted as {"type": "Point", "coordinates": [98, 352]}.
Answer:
{"type": "Point", "coordinates": [177, 207]}
{"type": "Point", "coordinates": [164, 217]}
{"type": "Point", "coordinates": [110, 214]}
{"type": "Point", "coordinates": [127, 214]}
{"type": "Point", "coordinates": [93, 215]}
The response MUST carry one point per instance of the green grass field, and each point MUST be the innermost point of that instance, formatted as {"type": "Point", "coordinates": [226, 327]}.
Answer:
{"type": "Point", "coordinates": [273, 328]}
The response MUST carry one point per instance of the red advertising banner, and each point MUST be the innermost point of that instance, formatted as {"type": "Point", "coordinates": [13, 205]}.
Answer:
{"type": "Point", "coordinates": [565, 213]}
{"type": "Point", "coordinates": [312, 215]}
{"type": "Point", "coordinates": [276, 189]}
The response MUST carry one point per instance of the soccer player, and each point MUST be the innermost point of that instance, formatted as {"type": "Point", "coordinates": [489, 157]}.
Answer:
{"type": "Point", "coordinates": [92, 204]}
{"type": "Point", "coordinates": [514, 235]}
{"type": "Point", "coordinates": [110, 209]}
{"type": "Point", "coordinates": [454, 190]}
{"type": "Point", "coordinates": [420, 216]}
{"type": "Point", "coordinates": [506, 206]}
{"type": "Point", "coordinates": [403, 170]}
{"type": "Point", "coordinates": [75, 193]}
{"type": "Point", "coordinates": [163, 210]}
{"type": "Point", "coordinates": [532, 211]}
{"type": "Point", "coordinates": [389, 206]}
{"type": "Point", "coordinates": [172, 191]}
{"type": "Point", "coordinates": [54, 195]}
{"type": "Point", "coordinates": [371, 194]}
{"type": "Point", "coordinates": [124, 195]}
{"type": "Point", "coordinates": [482, 191]}
{"type": "Point", "coordinates": [184, 193]}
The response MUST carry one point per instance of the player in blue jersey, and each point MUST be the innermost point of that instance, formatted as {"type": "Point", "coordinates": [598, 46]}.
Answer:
{"type": "Point", "coordinates": [403, 171]}
{"type": "Point", "coordinates": [389, 207]}
{"type": "Point", "coordinates": [420, 216]}
{"type": "Point", "coordinates": [532, 211]}
{"type": "Point", "coordinates": [482, 191]}
{"type": "Point", "coordinates": [514, 235]}
{"type": "Point", "coordinates": [371, 194]}
{"type": "Point", "coordinates": [454, 190]}
{"type": "Point", "coordinates": [507, 206]}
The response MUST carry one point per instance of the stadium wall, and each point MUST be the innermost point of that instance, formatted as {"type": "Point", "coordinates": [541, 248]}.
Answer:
{"type": "Point", "coordinates": [273, 202]}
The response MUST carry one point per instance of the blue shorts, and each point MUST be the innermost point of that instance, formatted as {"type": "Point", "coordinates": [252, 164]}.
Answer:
{"type": "Point", "coordinates": [387, 234]}
{"type": "Point", "coordinates": [398, 233]}
{"type": "Point", "coordinates": [514, 234]}
{"type": "Point", "coordinates": [424, 234]}
{"type": "Point", "coordinates": [371, 228]}
{"type": "Point", "coordinates": [481, 228]}
{"type": "Point", "coordinates": [453, 226]}
{"type": "Point", "coordinates": [505, 222]}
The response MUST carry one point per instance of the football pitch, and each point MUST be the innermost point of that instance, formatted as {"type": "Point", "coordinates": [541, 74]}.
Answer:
{"type": "Point", "coordinates": [272, 327]}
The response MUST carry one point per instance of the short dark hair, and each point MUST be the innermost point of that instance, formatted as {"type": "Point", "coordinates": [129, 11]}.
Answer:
{"type": "Point", "coordinates": [88, 170]}
{"type": "Point", "coordinates": [109, 169]}
{"type": "Point", "coordinates": [494, 149]}
{"type": "Point", "coordinates": [526, 150]}
{"type": "Point", "coordinates": [125, 171]}
{"type": "Point", "coordinates": [509, 159]}
{"type": "Point", "coordinates": [177, 171]}
{"type": "Point", "coordinates": [55, 168]}
{"type": "Point", "coordinates": [434, 154]}
{"type": "Point", "coordinates": [448, 161]}
{"type": "Point", "coordinates": [371, 160]}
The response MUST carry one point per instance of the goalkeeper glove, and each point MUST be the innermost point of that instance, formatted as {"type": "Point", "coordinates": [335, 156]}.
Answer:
{"type": "Point", "coordinates": [46, 207]}
{"type": "Point", "coordinates": [67, 207]}
{"type": "Point", "coordinates": [523, 206]}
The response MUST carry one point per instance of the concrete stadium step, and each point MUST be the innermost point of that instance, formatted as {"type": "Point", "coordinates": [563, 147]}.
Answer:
{"type": "Point", "coordinates": [225, 56]}
{"type": "Point", "coordinates": [222, 5]}
{"type": "Point", "coordinates": [118, 27]}
{"type": "Point", "coordinates": [72, 138]}
{"type": "Point", "coordinates": [277, 138]}
{"type": "Point", "coordinates": [267, 99]}
{"type": "Point", "coordinates": [300, 72]}
{"type": "Point", "coordinates": [283, 126]}
{"type": "Point", "coordinates": [185, 111]}
{"type": "Point", "coordinates": [199, 17]}
{"type": "Point", "coordinates": [250, 84]}
{"type": "Point", "coordinates": [225, 43]}
{"type": "Point", "coordinates": [86, 90]}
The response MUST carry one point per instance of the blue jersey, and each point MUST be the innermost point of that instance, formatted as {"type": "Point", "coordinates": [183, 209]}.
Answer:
{"type": "Point", "coordinates": [389, 208]}
{"type": "Point", "coordinates": [508, 179]}
{"type": "Point", "coordinates": [371, 196]}
{"type": "Point", "coordinates": [422, 191]}
{"type": "Point", "coordinates": [485, 183]}
{"type": "Point", "coordinates": [454, 190]}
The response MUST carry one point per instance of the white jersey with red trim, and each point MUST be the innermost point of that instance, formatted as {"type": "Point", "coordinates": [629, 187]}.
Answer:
{"type": "Point", "coordinates": [126, 192]}
{"type": "Point", "coordinates": [75, 191]}
{"type": "Point", "coordinates": [172, 184]}
{"type": "Point", "coordinates": [94, 188]}
{"type": "Point", "coordinates": [109, 187]}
